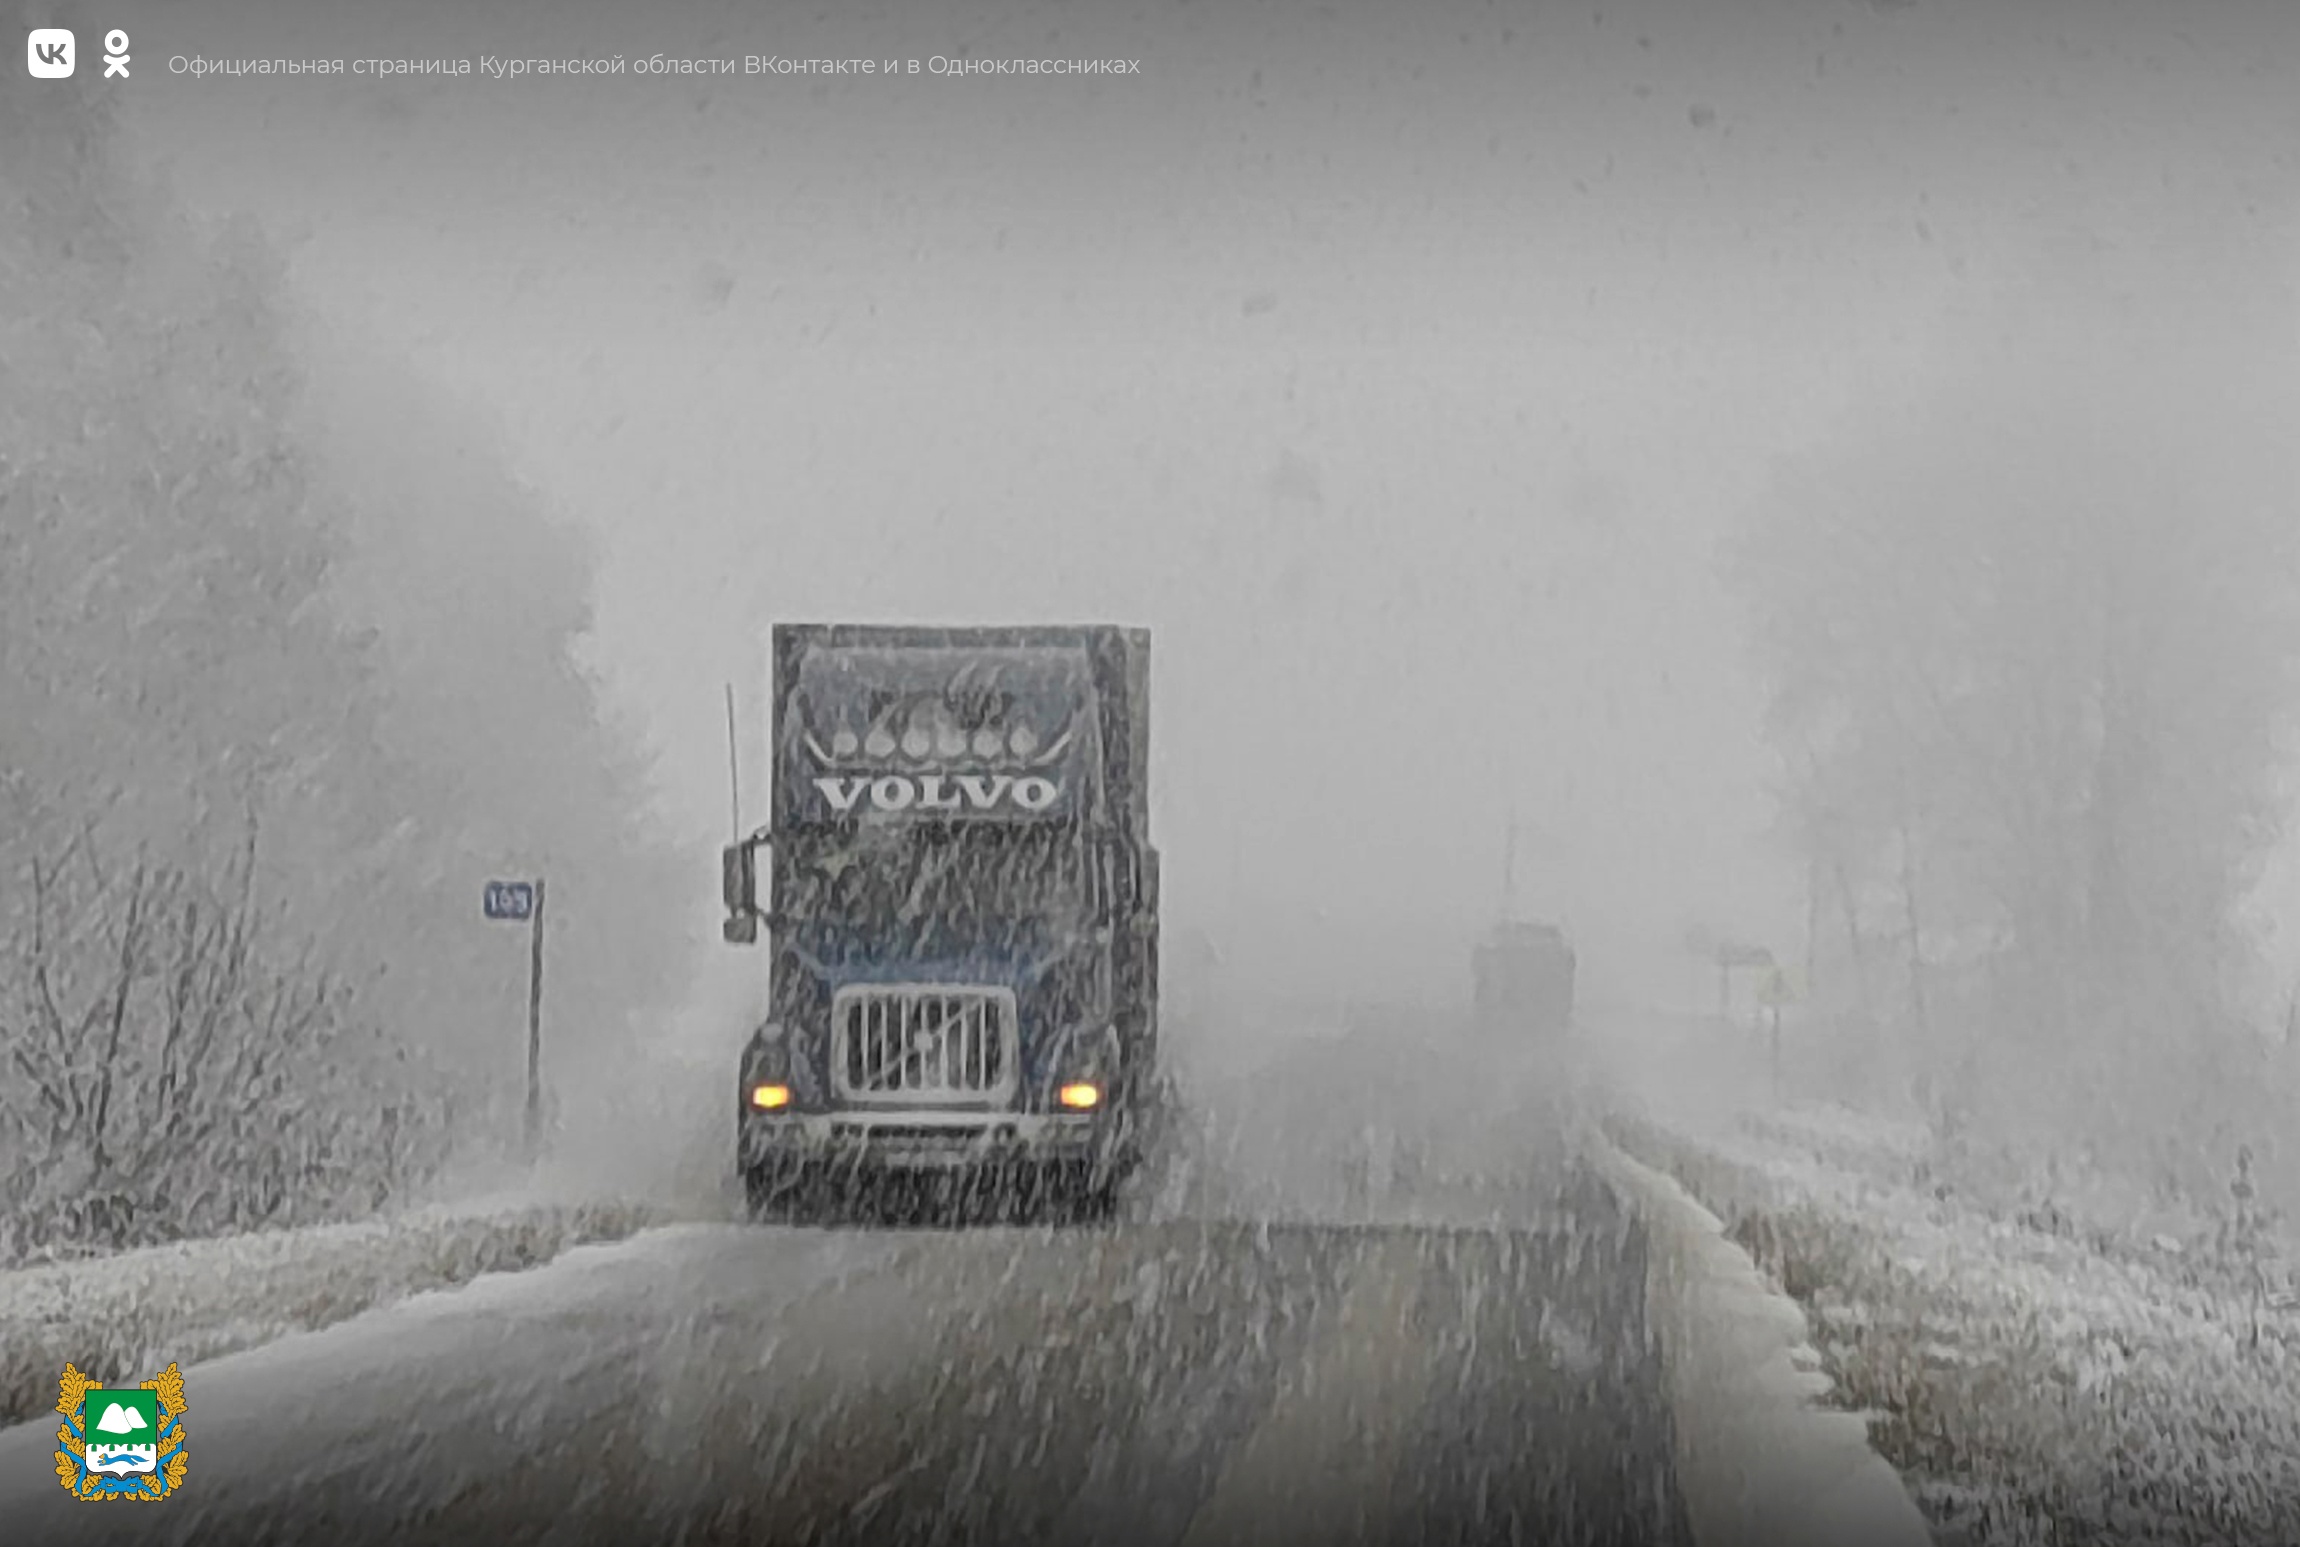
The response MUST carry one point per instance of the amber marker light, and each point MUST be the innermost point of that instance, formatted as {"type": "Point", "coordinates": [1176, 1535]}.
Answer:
{"type": "Point", "coordinates": [1079, 1098]}
{"type": "Point", "coordinates": [770, 1098]}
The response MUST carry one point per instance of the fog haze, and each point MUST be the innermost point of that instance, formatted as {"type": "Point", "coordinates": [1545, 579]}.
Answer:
{"type": "Point", "coordinates": [1403, 375]}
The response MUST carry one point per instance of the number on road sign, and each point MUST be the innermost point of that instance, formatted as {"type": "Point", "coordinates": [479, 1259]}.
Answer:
{"type": "Point", "coordinates": [509, 899]}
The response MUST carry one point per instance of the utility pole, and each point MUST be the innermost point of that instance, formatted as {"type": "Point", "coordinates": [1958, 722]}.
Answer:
{"type": "Point", "coordinates": [1509, 868]}
{"type": "Point", "coordinates": [1773, 1027]}
{"type": "Point", "coordinates": [1813, 925]}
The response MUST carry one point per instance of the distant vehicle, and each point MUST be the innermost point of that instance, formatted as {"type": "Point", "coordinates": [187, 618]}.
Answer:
{"type": "Point", "coordinates": [1524, 978]}
{"type": "Point", "coordinates": [963, 912]}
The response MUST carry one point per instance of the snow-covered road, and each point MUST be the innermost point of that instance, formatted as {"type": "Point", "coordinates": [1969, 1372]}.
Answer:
{"type": "Point", "coordinates": [1422, 1326]}
{"type": "Point", "coordinates": [1178, 1382]}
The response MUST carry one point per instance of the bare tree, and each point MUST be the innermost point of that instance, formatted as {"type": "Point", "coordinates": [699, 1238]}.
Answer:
{"type": "Point", "coordinates": [2032, 636]}
{"type": "Point", "coordinates": [174, 1070]}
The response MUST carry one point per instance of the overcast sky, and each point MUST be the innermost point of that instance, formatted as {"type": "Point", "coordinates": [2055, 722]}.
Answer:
{"type": "Point", "coordinates": [1399, 368]}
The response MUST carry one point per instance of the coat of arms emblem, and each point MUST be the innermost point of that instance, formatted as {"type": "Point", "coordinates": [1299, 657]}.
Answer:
{"type": "Point", "coordinates": [121, 1442]}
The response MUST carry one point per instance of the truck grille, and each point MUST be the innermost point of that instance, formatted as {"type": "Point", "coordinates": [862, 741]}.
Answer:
{"type": "Point", "coordinates": [923, 1044]}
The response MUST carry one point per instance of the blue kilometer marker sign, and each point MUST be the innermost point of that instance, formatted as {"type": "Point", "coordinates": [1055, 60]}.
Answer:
{"type": "Point", "coordinates": [522, 901]}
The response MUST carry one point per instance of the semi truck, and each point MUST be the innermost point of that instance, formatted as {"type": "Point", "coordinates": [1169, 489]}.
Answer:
{"type": "Point", "coordinates": [1522, 974]}
{"type": "Point", "coordinates": [959, 892]}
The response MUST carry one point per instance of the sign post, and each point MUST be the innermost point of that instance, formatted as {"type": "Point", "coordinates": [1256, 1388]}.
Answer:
{"type": "Point", "coordinates": [517, 900]}
{"type": "Point", "coordinates": [1775, 991]}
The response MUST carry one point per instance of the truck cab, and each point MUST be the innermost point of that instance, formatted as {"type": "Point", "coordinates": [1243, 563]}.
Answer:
{"type": "Point", "coordinates": [961, 911]}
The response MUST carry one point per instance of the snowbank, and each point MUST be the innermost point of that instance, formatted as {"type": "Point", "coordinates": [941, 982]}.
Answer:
{"type": "Point", "coordinates": [1758, 1461]}
{"type": "Point", "coordinates": [2043, 1379]}
{"type": "Point", "coordinates": [131, 1314]}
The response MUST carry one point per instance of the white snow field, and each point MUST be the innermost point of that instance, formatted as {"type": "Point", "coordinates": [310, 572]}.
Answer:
{"type": "Point", "coordinates": [131, 1314]}
{"type": "Point", "coordinates": [2037, 1377]}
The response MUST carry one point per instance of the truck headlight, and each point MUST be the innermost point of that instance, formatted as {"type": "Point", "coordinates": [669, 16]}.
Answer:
{"type": "Point", "coordinates": [1083, 1069]}
{"type": "Point", "coordinates": [766, 1083]}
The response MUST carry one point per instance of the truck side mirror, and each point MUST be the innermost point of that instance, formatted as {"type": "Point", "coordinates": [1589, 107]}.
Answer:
{"type": "Point", "coordinates": [739, 889]}
{"type": "Point", "coordinates": [739, 878]}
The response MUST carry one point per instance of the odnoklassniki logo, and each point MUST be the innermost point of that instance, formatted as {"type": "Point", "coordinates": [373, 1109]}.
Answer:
{"type": "Point", "coordinates": [121, 1442]}
{"type": "Point", "coordinates": [1004, 764]}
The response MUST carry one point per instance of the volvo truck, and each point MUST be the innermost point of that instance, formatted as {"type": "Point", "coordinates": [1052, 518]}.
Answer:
{"type": "Point", "coordinates": [1522, 975]}
{"type": "Point", "coordinates": [959, 898]}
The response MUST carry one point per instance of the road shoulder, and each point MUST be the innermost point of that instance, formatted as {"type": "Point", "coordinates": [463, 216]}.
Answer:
{"type": "Point", "coordinates": [1759, 1460]}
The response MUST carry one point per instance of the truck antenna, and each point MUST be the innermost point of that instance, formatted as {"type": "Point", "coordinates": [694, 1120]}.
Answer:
{"type": "Point", "coordinates": [734, 773]}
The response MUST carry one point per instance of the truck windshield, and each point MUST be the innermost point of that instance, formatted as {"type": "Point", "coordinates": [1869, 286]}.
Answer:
{"type": "Point", "coordinates": [960, 882]}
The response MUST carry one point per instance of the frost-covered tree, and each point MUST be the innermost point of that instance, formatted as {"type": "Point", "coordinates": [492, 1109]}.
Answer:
{"type": "Point", "coordinates": [2032, 633]}
{"type": "Point", "coordinates": [504, 759]}
{"type": "Point", "coordinates": [289, 664]}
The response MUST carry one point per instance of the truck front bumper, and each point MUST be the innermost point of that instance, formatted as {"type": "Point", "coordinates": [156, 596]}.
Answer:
{"type": "Point", "coordinates": [920, 1140]}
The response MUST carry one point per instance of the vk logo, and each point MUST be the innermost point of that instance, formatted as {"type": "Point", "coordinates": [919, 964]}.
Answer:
{"type": "Point", "coordinates": [49, 53]}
